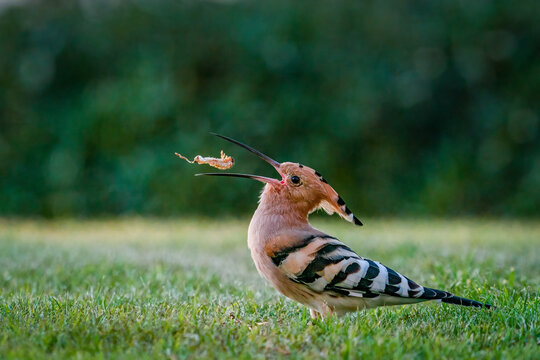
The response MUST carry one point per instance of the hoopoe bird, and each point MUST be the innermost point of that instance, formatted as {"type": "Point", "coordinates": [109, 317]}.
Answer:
{"type": "Point", "coordinates": [314, 268]}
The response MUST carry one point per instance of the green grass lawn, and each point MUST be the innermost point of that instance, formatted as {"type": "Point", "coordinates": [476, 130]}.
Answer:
{"type": "Point", "coordinates": [188, 289]}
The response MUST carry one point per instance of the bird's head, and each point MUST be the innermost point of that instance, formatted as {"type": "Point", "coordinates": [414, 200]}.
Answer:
{"type": "Point", "coordinates": [300, 186]}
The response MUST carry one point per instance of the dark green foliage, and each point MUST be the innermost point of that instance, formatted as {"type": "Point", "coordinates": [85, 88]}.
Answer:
{"type": "Point", "coordinates": [405, 107]}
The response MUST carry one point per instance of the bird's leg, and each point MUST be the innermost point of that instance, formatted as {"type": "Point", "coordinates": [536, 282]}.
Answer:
{"type": "Point", "coordinates": [314, 314]}
{"type": "Point", "coordinates": [325, 312]}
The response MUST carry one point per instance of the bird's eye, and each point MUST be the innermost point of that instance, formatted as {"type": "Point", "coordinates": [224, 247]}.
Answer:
{"type": "Point", "coordinates": [295, 179]}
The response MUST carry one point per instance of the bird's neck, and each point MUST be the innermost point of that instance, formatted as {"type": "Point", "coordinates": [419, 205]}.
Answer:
{"type": "Point", "coordinates": [275, 215]}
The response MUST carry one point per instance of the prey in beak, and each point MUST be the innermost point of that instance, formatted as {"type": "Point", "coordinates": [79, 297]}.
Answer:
{"type": "Point", "coordinates": [263, 179]}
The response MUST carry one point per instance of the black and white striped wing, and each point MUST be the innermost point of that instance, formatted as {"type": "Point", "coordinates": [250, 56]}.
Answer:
{"type": "Point", "coordinates": [325, 264]}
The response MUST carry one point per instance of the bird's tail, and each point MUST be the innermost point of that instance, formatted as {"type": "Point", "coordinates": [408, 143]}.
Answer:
{"type": "Point", "coordinates": [465, 302]}
{"type": "Point", "coordinates": [446, 297]}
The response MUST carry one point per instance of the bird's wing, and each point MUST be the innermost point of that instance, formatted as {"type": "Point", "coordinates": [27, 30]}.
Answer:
{"type": "Point", "coordinates": [325, 264]}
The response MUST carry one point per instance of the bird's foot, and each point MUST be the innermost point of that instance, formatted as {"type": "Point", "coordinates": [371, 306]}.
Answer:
{"type": "Point", "coordinates": [325, 312]}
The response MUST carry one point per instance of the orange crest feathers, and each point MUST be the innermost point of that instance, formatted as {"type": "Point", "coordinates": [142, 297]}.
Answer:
{"type": "Point", "coordinates": [334, 203]}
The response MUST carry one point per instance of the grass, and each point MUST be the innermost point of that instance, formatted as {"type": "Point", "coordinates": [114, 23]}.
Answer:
{"type": "Point", "coordinates": [187, 289]}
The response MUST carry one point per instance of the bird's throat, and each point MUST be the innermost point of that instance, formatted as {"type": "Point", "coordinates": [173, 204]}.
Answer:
{"type": "Point", "coordinates": [277, 211]}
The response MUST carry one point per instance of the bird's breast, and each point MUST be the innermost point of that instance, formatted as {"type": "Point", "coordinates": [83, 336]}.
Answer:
{"type": "Point", "coordinates": [264, 245]}
{"type": "Point", "coordinates": [298, 292]}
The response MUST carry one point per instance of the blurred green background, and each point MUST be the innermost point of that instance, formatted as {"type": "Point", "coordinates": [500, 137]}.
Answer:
{"type": "Point", "coordinates": [407, 108]}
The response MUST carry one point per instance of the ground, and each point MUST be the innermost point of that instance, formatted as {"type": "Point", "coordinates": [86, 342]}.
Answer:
{"type": "Point", "coordinates": [139, 288]}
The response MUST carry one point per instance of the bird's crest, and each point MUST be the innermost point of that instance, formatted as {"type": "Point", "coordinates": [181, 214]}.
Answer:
{"type": "Point", "coordinates": [336, 204]}
{"type": "Point", "coordinates": [303, 187]}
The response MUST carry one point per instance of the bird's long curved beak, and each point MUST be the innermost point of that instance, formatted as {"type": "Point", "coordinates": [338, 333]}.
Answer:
{"type": "Point", "coordinates": [263, 179]}
{"type": "Point", "coordinates": [276, 165]}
